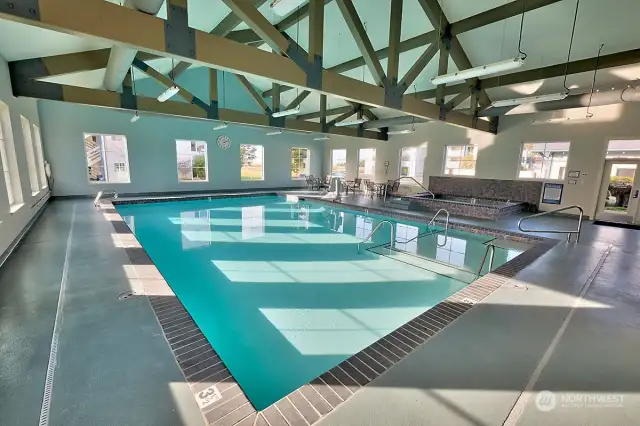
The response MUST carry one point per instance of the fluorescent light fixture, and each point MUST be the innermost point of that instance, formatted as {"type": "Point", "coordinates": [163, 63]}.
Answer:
{"type": "Point", "coordinates": [221, 126]}
{"type": "Point", "coordinates": [529, 100]}
{"type": "Point", "coordinates": [351, 123]}
{"type": "Point", "coordinates": [283, 7]}
{"type": "Point", "coordinates": [322, 138]}
{"type": "Point", "coordinates": [494, 68]}
{"type": "Point", "coordinates": [135, 117]}
{"type": "Point", "coordinates": [277, 132]}
{"type": "Point", "coordinates": [169, 93]}
{"type": "Point", "coordinates": [401, 132]}
{"type": "Point", "coordinates": [286, 112]}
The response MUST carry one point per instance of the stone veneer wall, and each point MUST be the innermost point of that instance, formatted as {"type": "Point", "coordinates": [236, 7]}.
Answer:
{"type": "Point", "coordinates": [496, 189]}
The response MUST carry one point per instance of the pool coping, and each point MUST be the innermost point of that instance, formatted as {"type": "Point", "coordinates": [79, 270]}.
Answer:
{"type": "Point", "coordinates": [221, 399]}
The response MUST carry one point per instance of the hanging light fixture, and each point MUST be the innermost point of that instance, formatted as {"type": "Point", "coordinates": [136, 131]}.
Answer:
{"type": "Point", "coordinates": [549, 97]}
{"type": "Point", "coordinates": [274, 133]}
{"type": "Point", "coordinates": [221, 126]}
{"type": "Point", "coordinates": [482, 70]}
{"type": "Point", "coordinates": [171, 91]}
{"type": "Point", "coordinates": [322, 138]}
{"type": "Point", "coordinates": [292, 111]}
{"type": "Point", "coordinates": [413, 121]}
{"type": "Point", "coordinates": [136, 116]}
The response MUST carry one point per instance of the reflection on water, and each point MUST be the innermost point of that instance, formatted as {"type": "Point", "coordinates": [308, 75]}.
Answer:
{"type": "Point", "coordinates": [453, 250]}
{"type": "Point", "coordinates": [192, 222]}
{"type": "Point", "coordinates": [364, 226]}
{"type": "Point", "coordinates": [407, 237]}
{"type": "Point", "coordinates": [252, 222]}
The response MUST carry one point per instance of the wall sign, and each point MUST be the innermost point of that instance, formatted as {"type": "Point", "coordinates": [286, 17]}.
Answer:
{"type": "Point", "coordinates": [552, 193]}
{"type": "Point", "coordinates": [224, 142]}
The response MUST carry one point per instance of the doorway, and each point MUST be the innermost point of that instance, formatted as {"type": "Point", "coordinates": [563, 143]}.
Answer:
{"type": "Point", "coordinates": [619, 190]}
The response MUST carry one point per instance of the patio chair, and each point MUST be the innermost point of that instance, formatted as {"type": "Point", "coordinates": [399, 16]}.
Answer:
{"type": "Point", "coordinates": [370, 188]}
{"type": "Point", "coordinates": [322, 184]}
{"type": "Point", "coordinates": [355, 185]}
{"type": "Point", "coordinates": [309, 180]}
{"type": "Point", "coordinates": [393, 187]}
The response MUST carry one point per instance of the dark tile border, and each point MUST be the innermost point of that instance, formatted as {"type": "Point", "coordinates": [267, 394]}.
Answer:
{"type": "Point", "coordinates": [220, 398]}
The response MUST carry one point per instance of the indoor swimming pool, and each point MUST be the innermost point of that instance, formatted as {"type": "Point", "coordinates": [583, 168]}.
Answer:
{"type": "Point", "coordinates": [279, 288]}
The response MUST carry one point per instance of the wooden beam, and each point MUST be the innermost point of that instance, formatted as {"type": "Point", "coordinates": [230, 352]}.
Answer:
{"type": "Point", "coordinates": [359, 34]}
{"type": "Point", "coordinates": [254, 93]}
{"type": "Point", "coordinates": [259, 23]}
{"type": "Point", "coordinates": [316, 29]}
{"type": "Point", "coordinates": [342, 117]}
{"type": "Point", "coordinates": [162, 79]}
{"type": "Point", "coordinates": [443, 66]}
{"type": "Point", "coordinates": [419, 66]}
{"type": "Point", "coordinates": [298, 99]}
{"type": "Point", "coordinates": [223, 29]}
{"type": "Point", "coordinates": [275, 99]}
{"type": "Point", "coordinates": [213, 85]}
{"type": "Point", "coordinates": [395, 30]}
{"type": "Point", "coordinates": [323, 109]}
{"type": "Point", "coordinates": [457, 100]}
{"type": "Point", "coordinates": [149, 33]}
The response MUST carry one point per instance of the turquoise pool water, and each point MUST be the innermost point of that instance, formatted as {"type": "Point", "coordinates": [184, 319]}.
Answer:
{"type": "Point", "coordinates": [279, 289]}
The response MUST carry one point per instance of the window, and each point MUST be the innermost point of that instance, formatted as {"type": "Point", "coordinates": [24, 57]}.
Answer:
{"type": "Point", "coordinates": [31, 159]}
{"type": "Point", "coordinates": [251, 159]}
{"type": "Point", "coordinates": [299, 163]}
{"type": "Point", "coordinates": [107, 158]}
{"type": "Point", "coordinates": [460, 160]}
{"type": "Point", "coordinates": [544, 160]}
{"type": "Point", "coordinates": [367, 163]}
{"type": "Point", "coordinates": [39, 156]}
{"type": "Point", "coordinates": [339, 162]}
{"type": "Point", "coordinates": [192, 161]}
{"type": "Point", "coordinates": [9, 159]}
{"type": "Point", "coordinates": [412, 162]}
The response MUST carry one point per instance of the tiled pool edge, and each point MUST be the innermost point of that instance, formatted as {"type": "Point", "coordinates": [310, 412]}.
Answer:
{"type": "Point", "coordinates": [208, 377]}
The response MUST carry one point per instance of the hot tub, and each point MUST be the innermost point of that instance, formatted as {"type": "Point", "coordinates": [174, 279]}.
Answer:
{"type": "Point", "coordinates": [465, 206]}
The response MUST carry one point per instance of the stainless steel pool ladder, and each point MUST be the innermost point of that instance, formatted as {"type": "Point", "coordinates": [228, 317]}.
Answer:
{"type": "Point", "coordinates": [556, 231]}
{"type": "Point", "coordinates": [113, 196]}
{"type": "Point", "coordinates": [432, 222]}
{"type": "Point", "coordinates": [374, 231]}
{"type": "Point", "coordinates": [406, 177]}
{"type": "Point", "coordinates": [490, 248]}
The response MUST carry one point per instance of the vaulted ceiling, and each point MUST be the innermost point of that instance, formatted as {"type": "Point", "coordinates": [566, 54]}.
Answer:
{"type": "Point", "coordinates": [545, 39]}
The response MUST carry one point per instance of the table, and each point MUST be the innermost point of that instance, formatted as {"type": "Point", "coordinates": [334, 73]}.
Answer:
{"type": "Point", "coordinates": [380, 188]}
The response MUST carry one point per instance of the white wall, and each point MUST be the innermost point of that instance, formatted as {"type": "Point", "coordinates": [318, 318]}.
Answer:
{"type": "Point", "coordinates": [152, 151]}
{"type": "Point", "coordinates": [498, 155]}
{"type": "Point", "coordinates": [13, 222]}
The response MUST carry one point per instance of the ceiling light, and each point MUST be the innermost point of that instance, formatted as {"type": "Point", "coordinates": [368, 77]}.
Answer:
{"type": "Point", "coordinates": [351, 123]}
{"type": "Point", "coordinates": [497, 67]}
{"type": "Point", "coordinates": [169, 93]}
{"type": "Point", "coordinates": [221, 126]}
{"type": "Point", "coordinates": [283, 7]}
{"type": "Point", "coordinates": [529, 100]}
{"type": "Point", "coordinates": [277, 132]}
{"type": "Point", "coordinates": [286, 112]}
{"type": "Point", "coordinates": [135, 117]}
{"type": "Point", "coordinates": [401, 132]}
{"type": "Point", "coordinates": [322, 138]}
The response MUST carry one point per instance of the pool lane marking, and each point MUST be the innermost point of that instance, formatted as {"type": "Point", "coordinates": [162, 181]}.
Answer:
{"type": "Point", "coordinates": [45, 409]}
{"type": "Point", "coordinates": [521, 403]}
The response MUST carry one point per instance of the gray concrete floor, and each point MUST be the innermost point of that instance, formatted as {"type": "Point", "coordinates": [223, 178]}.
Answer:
{"type": "Point", "coordinates": [113, 365]}
{"type": "Point", "coordinates": [570, 327]}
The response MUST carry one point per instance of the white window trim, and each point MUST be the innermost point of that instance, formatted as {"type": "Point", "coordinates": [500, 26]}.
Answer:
{"type": "Point", "coordinates": [206, 163]}
{"type": "Point", "coordinates": [444, 163]}
{"type": "Point", "coordinates": [345, 161]}
{"type": "Point", "coordinates": [261, 165]}
{"type": "Point", "coordinates": [410, 182]}
{"type": "Point", "coordinates": [86, 161]}
{"type": "Point", "coordinates": [29, 147]}
{"type": "Point", "coordinates": [528, 179]}
{"type": "Point", "coordinates": [308, 161]}
{"type": "Point", "coordinates": [374, 163]}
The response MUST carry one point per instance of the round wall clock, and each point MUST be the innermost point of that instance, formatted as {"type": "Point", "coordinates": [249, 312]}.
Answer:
{"type": "Point", "coordinates": [224, 142]}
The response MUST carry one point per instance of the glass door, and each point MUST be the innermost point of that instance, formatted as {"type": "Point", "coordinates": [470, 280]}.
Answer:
{"type": "Point", "coordinates": [619, 192]}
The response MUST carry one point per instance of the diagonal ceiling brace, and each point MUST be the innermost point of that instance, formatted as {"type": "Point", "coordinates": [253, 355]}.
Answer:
{"type": "Point", "coordinates": [254, 93]}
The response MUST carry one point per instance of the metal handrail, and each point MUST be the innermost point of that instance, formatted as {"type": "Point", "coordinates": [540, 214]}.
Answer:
{"type": "Point", "coordinates": [406, 177]}
{"type": "Point", "coordinates": [556, 231]}
{"type": "Point", "coordinates": [114, 196]}
{"type": "Point", "coordinates": [432, 222]}
{"type": "Point", "coordinates": [374, 231]}
{"type": "Point", "coordinates": [492, 248]}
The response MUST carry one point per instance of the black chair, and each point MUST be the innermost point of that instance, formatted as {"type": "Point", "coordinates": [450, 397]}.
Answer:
{"type": "Point", "coordinates": [355, 185]}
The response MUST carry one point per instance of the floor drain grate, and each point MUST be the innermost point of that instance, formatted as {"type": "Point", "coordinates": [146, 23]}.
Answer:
{"type": "Point", "coordinates": [127, 295]}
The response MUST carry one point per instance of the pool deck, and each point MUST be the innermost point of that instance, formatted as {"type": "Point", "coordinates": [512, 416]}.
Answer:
{"type": "Point", "coordinates": [568, 323]}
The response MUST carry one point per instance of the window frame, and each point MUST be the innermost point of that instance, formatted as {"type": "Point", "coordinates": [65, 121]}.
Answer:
{"type": "Point", "coordinates": [86, 160]}
{"type": "Point", "coordinates": [193, 143]}
{"type": "Point", "coordinates": [415, 176]}
{"type": "Point", "coordinates": [475, 161]}
{"type": "Point", "coordinates": [29, 148]}
{"type": "Point", "coordinates": [345, 162]}
{"type": "Point", "coordinates": [261, 162]}
{"type": "Point", "coordinates": [542, 179]}
{"type": "Point", "coordinates": [37, 140]}
{"type": "Point", "coordinates": [375, 153]}
{"type": "Point", "coordinates": [12, 158]}
{"type": "Point", "coordinates": [307, 168]}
